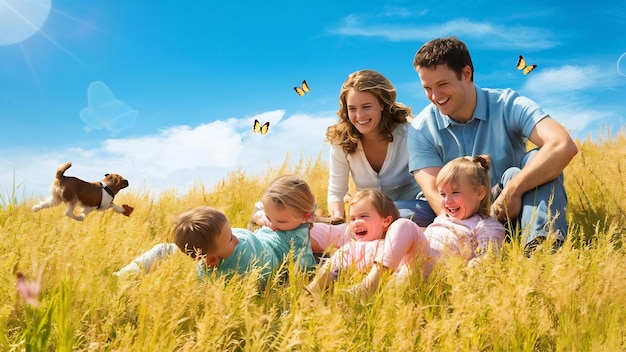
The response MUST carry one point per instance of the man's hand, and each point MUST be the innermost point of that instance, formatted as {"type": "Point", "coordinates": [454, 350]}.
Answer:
{"type": "Point", "coordinates": [506, 206]}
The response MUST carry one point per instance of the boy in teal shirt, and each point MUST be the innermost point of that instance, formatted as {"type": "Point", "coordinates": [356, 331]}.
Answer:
{"type": "Point", "coordinates": [204, 233]}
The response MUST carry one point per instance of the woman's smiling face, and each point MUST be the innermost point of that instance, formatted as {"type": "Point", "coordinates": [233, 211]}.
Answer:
{"type": "Point", "coordinates": [364, 111]}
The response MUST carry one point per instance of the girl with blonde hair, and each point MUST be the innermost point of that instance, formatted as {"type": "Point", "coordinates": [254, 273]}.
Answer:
{"type": "Point", "coordinates": [465, 228]}
{"type": "Point", "coordinates": [203, 233]}
{"type": "Point", "coordinates": [373, 218]}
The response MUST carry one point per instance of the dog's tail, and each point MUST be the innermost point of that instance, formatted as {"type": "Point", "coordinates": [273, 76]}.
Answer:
{"type": "Point", "coordinates": [63, 168]}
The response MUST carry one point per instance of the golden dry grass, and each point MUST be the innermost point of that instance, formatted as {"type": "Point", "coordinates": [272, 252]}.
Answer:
{"type": "Point", "coordinates": [574, 300]}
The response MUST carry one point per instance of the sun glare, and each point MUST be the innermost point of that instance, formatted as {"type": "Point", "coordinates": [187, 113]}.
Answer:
{"type": "Point", "coordinates": [20, 19]}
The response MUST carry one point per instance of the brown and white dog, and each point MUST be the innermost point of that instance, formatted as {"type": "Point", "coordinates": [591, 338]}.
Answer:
{"type": "Point", "coordinates": [89, 195]}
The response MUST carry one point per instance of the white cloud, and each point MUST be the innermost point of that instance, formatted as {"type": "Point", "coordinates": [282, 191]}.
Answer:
{"type": "Point", "coordinates": [492, 36]}
{"type": "Point", "coordinates": [570, 94]}
{"type": "Point", "coordinates": [391, 11]}
{"type": "Point", "coordinates": [176, 157]}
{"type": "Point", "coordinates": [570, 78]}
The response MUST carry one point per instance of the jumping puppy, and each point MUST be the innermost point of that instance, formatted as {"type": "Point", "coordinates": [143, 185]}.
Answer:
{"type": "Point", "coordinates": [89, 195]}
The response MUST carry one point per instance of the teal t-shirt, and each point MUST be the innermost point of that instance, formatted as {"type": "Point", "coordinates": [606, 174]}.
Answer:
{"type": "Point", "coordinates": [263, 249]}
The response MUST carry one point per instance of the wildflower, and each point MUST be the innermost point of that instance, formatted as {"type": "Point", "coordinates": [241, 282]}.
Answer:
{"type": "Point", "coordinates": [29, 290]}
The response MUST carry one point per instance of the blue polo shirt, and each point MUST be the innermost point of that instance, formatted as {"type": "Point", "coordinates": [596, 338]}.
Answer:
{"type": "Point", "coordinates": [500, 127]}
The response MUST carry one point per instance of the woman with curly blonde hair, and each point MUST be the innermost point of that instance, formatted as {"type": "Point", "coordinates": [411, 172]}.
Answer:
{"type": "Point", "coordinates": [369, 144]}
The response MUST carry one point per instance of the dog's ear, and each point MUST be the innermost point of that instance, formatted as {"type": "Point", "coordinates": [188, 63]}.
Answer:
{"type": "Point", "coordinates": [106, 175]}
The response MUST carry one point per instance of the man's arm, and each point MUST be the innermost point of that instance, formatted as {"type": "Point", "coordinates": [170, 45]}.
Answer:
{"type": "Point", "coordinates": [426, 178]}
{"type": "Point", "coordinates": [556, 150]}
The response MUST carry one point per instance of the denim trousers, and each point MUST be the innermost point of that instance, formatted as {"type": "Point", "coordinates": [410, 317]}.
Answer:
{"type": "Point", "coordinates": [543, 208]}
{"type": "Point", "coordinates": [417, 210]}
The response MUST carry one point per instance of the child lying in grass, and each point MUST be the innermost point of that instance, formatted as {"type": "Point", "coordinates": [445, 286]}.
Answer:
{"type": "Point", "coordinates": [325, 236]}
{"type": "Point", "coordinates": [204, 234]}
{"type": "Point", "coordinates": [373, 217]}
{"type": "Point", "coordinates": [465, 229]}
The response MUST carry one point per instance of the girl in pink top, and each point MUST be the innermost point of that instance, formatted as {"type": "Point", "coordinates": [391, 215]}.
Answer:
{"type": "Point", "coordinates": [465, 228]}
{"type": "Point", "coordinates": [373, 216]}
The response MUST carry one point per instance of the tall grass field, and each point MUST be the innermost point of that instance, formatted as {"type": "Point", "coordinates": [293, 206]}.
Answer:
{"type": "Point", "coordinates": [574, 300]}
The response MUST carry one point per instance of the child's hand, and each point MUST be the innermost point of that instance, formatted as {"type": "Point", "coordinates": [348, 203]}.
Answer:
{"type": "Point", "coordinates": [127, 209]}
{"type": "Point", "coordinates": [260, 219]}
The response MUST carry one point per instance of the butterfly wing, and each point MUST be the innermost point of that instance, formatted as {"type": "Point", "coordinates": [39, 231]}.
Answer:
{"type": "Point", "coordinates": [299, 90]}
{"type": "Point", "coordinates": [529, 69]}
{"type": "Point", "coordinates": [258, 128]}
{"type": "Point", "coordinates": [303, 89]}
{"type": "Point", "coordinates": [521, 63]}
{"type": "Point", "coordinates": [265, 127]}
{"type": "Point", "coordinates": [305, 86]}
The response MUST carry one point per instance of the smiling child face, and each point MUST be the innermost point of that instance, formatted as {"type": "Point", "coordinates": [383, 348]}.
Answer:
{"type": "Point", "coordinates": [460, 200]}
{"type": "Point", "coordinates": [366, 223]}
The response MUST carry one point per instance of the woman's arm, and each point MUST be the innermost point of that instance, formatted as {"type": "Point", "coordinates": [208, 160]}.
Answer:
{"type": "Point", "coordinates": [339, 172]}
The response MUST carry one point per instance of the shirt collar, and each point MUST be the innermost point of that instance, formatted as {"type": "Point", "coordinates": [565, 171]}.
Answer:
{"type": "Point", "coordinates": [480, 111]}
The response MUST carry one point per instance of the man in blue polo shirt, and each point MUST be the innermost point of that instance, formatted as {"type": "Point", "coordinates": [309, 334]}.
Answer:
{"type": "Point", "coordinates": [464, 119]}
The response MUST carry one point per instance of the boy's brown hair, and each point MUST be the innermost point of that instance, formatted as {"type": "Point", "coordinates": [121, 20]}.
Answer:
{"type": "Point", "coordinates": [195, 230]}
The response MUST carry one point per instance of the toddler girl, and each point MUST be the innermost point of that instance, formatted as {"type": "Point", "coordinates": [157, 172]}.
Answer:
{"type": "Point", "coordinates": [373, 218]}
{"type": "Point", "coordinates": [465, 228]}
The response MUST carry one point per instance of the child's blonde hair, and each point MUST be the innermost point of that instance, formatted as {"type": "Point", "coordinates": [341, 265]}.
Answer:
{"type": "Point", "coordinates": [195, 230]}
{"type": "Point", "coordinates": [473, 169]}
{"type": "Point", "coordinates": [293, 193]}
{"type": "Point", "coordinates": [381, 202]}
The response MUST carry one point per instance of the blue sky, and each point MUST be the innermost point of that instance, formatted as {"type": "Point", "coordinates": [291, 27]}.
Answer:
{"type": "Point", "coordinates": [165, 93]}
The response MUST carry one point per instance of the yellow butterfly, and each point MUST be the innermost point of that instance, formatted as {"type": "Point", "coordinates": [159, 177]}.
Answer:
{"type": "Point", "coordinates": [258, 128]}
{"type": "Point", "coordinates": [521, 65]}
{"type": "Point", "coordinates": [302, 90]}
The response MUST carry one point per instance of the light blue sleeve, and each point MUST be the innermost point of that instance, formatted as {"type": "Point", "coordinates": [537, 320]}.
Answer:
{"type": "Point", "coordinates": [424, 141]}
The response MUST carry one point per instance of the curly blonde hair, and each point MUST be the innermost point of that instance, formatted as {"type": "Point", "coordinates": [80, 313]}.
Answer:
{"type": "Point", "coordinates": [344, 133]}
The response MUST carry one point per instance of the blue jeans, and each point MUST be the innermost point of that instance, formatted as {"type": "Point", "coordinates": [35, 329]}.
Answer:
{"type": "Point", "coordinates": [543, 208]}
{"type": "Point", "coordinates": [417, 210]}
